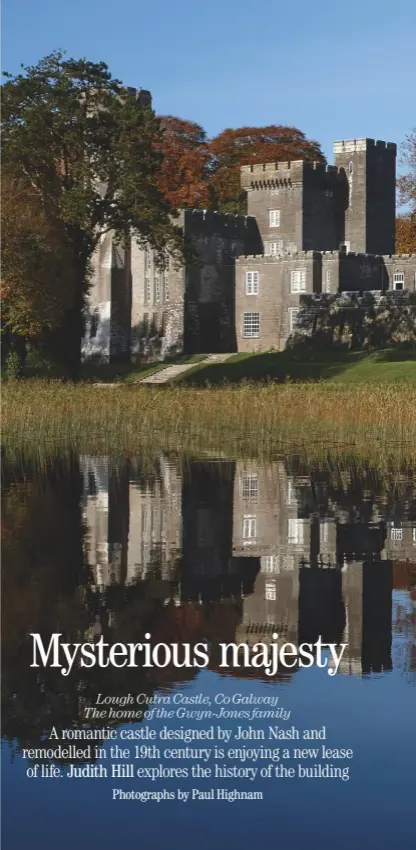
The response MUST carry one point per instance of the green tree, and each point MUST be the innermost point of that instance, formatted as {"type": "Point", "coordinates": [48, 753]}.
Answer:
{"type": "Point", "coordinates": [36, 274]}
{"type": "Point", "coordinates": [81, 142]}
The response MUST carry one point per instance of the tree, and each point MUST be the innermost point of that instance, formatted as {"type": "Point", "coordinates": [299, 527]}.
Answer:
{"type": "Point", "coordinates": [36, 279]}
{"type": "Point", "coordinates": [407, 182]}
{"type": "Point", "coordinates": [406, 233]}
{"type": "Point", "coordinates": [85, 147]}
{"type": "Point", "coordinates": [183, 176]}
{"type": "Point", "coordinates": [406, 224]}
{"type": "Point", "coordinates": [247, 145]}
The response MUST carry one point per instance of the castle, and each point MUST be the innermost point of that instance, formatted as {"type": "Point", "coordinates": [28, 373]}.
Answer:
{"type": "Point", "coordinates": [310, 228]}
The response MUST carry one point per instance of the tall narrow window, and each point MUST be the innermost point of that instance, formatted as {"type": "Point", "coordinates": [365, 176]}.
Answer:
{"type": "Point", "coordinates": [398, 280]}
{"type": "Point", "coordinates": [327, 283]}
{"type": "Point", "coordinates": [293, 319]}
{"type": "Point", "coordinates": [298, 280]}
{"type": "Point", "coordinates": [252, 283]}
{"type": "Point", "coordinates": [157, 288]}
{"type": "Point", "coordinates": [295, 531]}
{"type": "Point", "coordinates": [270, 591]}
{"type": "Point", "coordinates": [274, 218]}
{"type": "Point", "coordinates": [251, 325]}
{"type": "Point", "coordinates": [148, 290]}
{"type": "Point", "coordinates": [249, 529]}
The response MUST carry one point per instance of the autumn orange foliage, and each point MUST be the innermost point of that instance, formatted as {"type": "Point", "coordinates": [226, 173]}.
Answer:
{"type": "Point", "coordinates": [247, 145]}
{"type": "Point", "coordinates": [205, 173]}
{"type": "Point", "coordinates": [406, 234]}
{"type": "Point", "coordinates": [183, 177]}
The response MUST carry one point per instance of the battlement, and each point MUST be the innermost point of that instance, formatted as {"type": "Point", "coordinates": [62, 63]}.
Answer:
{"type": "Point", "coordinates": [143, 96]}
{"type": "Point", "coordinates": [360, 145]}
{"type": "Point", "coordinates": [399, 257]}
{"type": "Point", "coordinates": [213, 218]}
{"type": "Point", "coordinates": [288, 255]}
{"type": "Point", "coordinates": [272, 174]}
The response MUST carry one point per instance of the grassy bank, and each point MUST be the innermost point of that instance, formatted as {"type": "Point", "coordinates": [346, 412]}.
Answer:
{"type": "Point", "coordinates": [313, 420]}
{"type": "Point", "coordinates": [345, 367]}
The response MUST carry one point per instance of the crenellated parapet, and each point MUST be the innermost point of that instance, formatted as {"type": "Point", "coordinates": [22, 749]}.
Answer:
{"type": "Point", "coordinates": [219, 219]}
{"type": "Point", "coordinates": [360, 145]}
{"type": "Point", "coordinates": [278, 259]}
{"type": "Point", "coordinates": [272, 175]}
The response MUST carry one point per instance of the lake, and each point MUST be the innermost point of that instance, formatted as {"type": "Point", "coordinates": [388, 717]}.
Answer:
{"type": "Point", "coordinates": [215, 550]}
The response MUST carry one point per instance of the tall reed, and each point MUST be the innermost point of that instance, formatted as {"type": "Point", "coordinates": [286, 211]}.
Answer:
{"type": "Point", "coordinates": [264, 420]}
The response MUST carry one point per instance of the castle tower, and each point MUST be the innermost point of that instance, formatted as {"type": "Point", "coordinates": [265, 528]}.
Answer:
{"type": "Point", "coordinates": [298, 206]}
{"type": "Point", "coordinates": [370, 215]}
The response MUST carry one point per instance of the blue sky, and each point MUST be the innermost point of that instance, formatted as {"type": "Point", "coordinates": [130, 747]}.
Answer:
{"type": "Point", "coordinates": [334, 70]}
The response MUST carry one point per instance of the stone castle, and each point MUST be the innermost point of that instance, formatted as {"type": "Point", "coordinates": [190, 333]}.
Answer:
{"type": "Point", "coordinates": [310, 228]}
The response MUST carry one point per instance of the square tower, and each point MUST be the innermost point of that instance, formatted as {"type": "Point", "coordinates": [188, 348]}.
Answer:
{"type": "Point", "coordinates": [370, 215]}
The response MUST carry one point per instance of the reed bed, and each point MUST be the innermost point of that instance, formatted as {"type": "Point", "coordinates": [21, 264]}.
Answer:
{"type": "Point", "coordinates": [315, 420]}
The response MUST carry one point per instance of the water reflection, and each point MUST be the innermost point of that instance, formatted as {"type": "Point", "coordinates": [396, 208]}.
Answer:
{"type": "Point", "coordinates": [308, 555]}
{"type": "Point", "coordinates": [192, 550]}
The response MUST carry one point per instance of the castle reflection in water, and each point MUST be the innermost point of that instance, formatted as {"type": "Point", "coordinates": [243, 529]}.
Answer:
{"type": "Point", "coordinates": [323, 554]}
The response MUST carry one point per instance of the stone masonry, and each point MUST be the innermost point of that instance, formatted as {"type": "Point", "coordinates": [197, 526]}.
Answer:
{"type": "Point", "coordinates": [311, 229]}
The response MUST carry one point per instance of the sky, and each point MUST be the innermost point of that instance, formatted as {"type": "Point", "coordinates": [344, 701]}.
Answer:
{"type": "Point", "coordinates": [334, 70]}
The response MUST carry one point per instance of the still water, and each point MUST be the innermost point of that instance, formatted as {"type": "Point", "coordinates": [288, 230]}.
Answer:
{"type": "Point", "coordinates": [217, 551]}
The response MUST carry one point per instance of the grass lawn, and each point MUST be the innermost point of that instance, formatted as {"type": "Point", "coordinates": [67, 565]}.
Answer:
{"type": "Point", "coordinates": [389, 364]}
{"type": "Point", "coordinates": [105, 373]}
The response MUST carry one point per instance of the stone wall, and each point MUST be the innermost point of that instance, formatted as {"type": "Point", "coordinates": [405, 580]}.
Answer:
{"type": "Point", "coordinates": [209, 313]}
{"type": "Point", "coordinates": [357, 319]}
{"type": "Point", "coordinates": [108, 307]}
{"type": "Point", "coordinates": [370, 167]}
{"type": "Point", "coordinates": [310, 198]}
{"type": "Point", "coordinates": [157, 314]}
{"type": "Point", "coordinates": [275, 299]}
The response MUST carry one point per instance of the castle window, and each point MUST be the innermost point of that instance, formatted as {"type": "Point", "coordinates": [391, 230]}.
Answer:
{"type": "Point", "coordinates": [274, 248]}
{"type": "Point", "coordinates": [251, 325]}
{"type": "Point", "coordinates": [398, 280]}
{"type": "Point", "coordinates": [249, 485]}
{"type": "Point", "coordinates": [157, 288]}
{"type": "Point", "coordinates": [293, 318]}
{"type": "Point", "coordinates": [148, 290]}
{"type": "Point", "coordinates": [252, 283]}
{"type": "Point", "coordinates": [397, 534]}
{"type": "Point", "coordinates": [327, 284]}
{"type": "Point", "coordinates": [350, 168]}
{"type": "Point", "coordinates": [166, 289]}
{"type": "Point", "coordinates": [291, 493]}
{"type": "Point", "coordinates": [274, 218]}
{"type": "Point", "coordinates": [269, 564]}
{"type": "Point", "coordinates": [249, 529]}
{"type": "Point", "coordinates": [295, 532]}
{"type": "Point", "coordinates": [298, 280]}
{"type": "Point", "coordinates": [274, 192]}
{"type": "Point", "coordinates": [148, 260]}
{"type": "Point", "coordinates": [270, 591]}
{"type": "Point", "coordinates": [95, 317]}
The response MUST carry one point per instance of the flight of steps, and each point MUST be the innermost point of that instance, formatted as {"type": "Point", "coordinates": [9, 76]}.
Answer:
{"type": "Point", "coordinates": [163, 376]}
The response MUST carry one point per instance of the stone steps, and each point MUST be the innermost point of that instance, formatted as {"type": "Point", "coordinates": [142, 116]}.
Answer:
{"type": "Point", "coordinates": [163, 376]}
